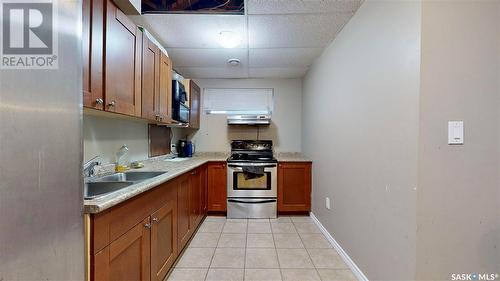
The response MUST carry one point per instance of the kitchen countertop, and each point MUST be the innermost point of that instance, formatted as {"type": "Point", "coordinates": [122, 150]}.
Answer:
{"type": "Point", "coordinates": [292, 157]}
{"type": "Point", "coordinates": [174, 169]}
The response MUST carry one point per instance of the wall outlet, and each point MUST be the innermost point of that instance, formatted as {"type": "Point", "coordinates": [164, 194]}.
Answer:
{"type": "Point", "coordinates": [327, 203]}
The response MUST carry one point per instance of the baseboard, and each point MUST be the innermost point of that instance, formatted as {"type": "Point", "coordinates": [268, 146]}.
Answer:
{"type": "Point", "coordinates": [354, 268]}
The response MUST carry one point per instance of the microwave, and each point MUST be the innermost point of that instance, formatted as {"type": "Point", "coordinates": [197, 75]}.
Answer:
{"type": "Point", "coordinates": [180, 111]}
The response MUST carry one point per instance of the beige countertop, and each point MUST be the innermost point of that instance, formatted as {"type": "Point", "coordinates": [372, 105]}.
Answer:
{"type": "Point", "coordinates": [292, 157]}
{"type": "Point", "coordinates": [173, 169]}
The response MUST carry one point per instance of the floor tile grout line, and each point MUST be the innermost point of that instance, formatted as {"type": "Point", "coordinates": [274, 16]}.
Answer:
{"type": "Point", "coordinates": [213, 255]}
{"type": "Point", "coordinates": [308, 254]}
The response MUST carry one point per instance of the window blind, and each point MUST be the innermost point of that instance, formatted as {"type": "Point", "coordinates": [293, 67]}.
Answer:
{"type": "Point", "coordinates": [238, 101]}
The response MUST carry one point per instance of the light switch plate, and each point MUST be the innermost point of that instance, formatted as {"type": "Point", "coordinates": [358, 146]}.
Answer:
{"type": "Point", "coordinates": [455, 132]}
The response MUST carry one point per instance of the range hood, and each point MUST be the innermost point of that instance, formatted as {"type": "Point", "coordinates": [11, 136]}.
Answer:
{"type": "Point", "coordinates": [249, 120]}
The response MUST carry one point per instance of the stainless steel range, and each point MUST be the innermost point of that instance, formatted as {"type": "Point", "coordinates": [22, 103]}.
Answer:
{"type": "Point", "coordinates": [251, 180]}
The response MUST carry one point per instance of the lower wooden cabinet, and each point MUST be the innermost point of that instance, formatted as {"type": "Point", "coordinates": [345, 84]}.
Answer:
{"type": "Point", "coordinates": [164, 239]}
{"type": "Point", "coordinates": [217, 186]}
{"type": "Point", "coordinates": [141, 238]}
{"type": "Point", "coordinates": [127, 258]}
{"type": "Point", "coordinates": [294, 187]}
{"type": "Point", "coordinates": [184, 213]}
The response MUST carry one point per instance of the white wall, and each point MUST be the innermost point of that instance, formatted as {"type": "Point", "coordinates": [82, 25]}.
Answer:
{"type": "Point", "coordinates": [285, 130]}
{"type": "Point", "coordinates": [360, 116]}
{"type": "Point", "coordinates": [458, 207]}
{"type": "Point", "coordinates": [104, 136]}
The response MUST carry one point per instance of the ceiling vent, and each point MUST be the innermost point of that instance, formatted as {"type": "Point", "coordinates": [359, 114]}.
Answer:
{"type": "Point", "coordinates": [234, 7]}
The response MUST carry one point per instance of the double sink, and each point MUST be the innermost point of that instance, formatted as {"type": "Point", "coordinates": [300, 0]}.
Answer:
{"type": "Point", "coordinates": [97, 187]}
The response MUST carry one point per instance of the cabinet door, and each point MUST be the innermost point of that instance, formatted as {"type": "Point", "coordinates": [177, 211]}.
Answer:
{"type": "Point", "coordinates": [123, 63]}
{"type": "Point", "coordinates": [165, 88]}
{"type": "Point", "coordinates": [127, 258]}
{"type": "Point", "coordinates": [164, 238]}
{"type": "Point", "coordinates": [204, 191]}
{"type": "Point", "coordinates": [183, 212]}
{"type": "Point", "coordinates": [294, 187]}
{"type": "Point", "coordinates": [195, 202]}
{"type": "Point", "coordinates": [150, 79]}
{"type": "Point", "coordinates": [217, 188]}
{"type": "Point", "coordinates": [92, 48]}
{"type": "Point", "coordinates": [194, 100]}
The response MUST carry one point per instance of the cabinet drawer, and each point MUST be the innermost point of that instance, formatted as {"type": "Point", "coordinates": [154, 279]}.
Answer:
{"type": "Point", "coordinates": [111, 224]}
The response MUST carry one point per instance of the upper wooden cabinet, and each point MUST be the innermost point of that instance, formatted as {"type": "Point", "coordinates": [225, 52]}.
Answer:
{"type": "Point", "coordinates": [165, 99]}
{"type": "Point", "coordinates": [123, 63]}
{"type": "Point", "coordinates": [150, 80]}
{"type": "Point", "coordinates": [217, 189]}
{"type": "Point", "coordinates": [294, 187]}
{"type": "Point", "coordinates": [92, 48]}
{"type": "Point", "coordinates": [194, 105]}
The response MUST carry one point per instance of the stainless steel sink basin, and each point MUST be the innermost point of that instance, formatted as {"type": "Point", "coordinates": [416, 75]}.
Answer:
{"type": "Point", "coordinates": [100, 188]}
{"type": "Point", "coordinates": [96, 187]}
{"type": "Point", "coordinates": [130, 176]}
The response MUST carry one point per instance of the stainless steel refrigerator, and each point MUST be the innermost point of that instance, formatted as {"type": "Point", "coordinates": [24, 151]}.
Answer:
{"type": "Point", "coordinates": [41, 222]}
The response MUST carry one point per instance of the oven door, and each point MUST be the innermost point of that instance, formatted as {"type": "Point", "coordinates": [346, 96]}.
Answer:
{"type": "Point", "coordinates": [244, 184]}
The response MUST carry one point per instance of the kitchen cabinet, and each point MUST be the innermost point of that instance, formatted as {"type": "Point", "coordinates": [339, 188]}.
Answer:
{"type": "Point", "coordinates": [294, 187]}
{"type": "Point", "coordinates": [204, 189]}
{"type": "Point", "coordinates": [165, 98]}
{"type": "Point", "coordinates": [92, 53]}
{"type": "Point", "coordinates": [141, 238]}
{"type": "Point", "coordinates": [216, 177]}
{"type": "Point", "coordinates": [123, 63]}
{"type": "Point", "coordinates": [150, 95]}
{"type": "Point", "coordinates": [197, 193]}
{"type": "Point", "coordinates": [127, 258]}
{"type": "Point", "coordinates": [164, 238]}
{"type": "Point", "coordinates": [184, 212]}
{"type": "Point", "coordinates": [194, 105]}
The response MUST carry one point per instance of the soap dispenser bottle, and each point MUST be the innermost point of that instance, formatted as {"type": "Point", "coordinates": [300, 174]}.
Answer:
{"type": "Point", "coordinates": [122, 159]}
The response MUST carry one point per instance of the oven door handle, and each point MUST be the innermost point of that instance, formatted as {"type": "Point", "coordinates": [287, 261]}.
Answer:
{"type": "Point", "coordinates": [252, 202]}
{"type": "Point", "coordinates": [251, 165]}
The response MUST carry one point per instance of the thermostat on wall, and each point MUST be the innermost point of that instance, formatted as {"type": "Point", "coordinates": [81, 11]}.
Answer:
{"type": "Point", "coordinates": [455, 132]}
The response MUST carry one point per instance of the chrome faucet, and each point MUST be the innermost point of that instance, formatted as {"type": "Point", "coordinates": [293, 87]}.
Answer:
{"type": "Point", "coordinates": [88, 168]}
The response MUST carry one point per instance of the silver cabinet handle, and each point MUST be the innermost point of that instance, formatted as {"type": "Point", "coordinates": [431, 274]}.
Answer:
{"type": "Point", "coordinates": [147, 225]}
{"type": "Point", "coordinates": [156, 220]}
{"type": "Point", "coordinates": [112, 103]}
{"type": "Point", "coordinates": [99, 101]}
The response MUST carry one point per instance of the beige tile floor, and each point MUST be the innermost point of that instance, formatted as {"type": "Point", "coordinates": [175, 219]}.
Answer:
{"type": "Point", "coordinates": [287, 248]}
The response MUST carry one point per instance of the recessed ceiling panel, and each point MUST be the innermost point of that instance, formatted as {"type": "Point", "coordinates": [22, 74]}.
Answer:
{"type": "Point", "coordinates": [294, 31]}
{"type": "Point", "coordinates": [261, 7]}
{"type": "Point", "coordinates": [182, 57]}
{"type": "Point", "coordinates": [194, 6]}
{"type": "Point", "coordinates": [213, 72]}
{"type": "Point", "coordinates": [285, 57]}
{"type": "Point", "coordinates": [275, 72]}
{"type": "Point", "coordinates": [193, 31]}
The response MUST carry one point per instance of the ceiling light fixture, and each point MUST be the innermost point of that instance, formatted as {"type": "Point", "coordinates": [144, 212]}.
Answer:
{"type": "Point", "coordinates": [229, 39]}
{"type": "Point", "coordinates": [233, 62]}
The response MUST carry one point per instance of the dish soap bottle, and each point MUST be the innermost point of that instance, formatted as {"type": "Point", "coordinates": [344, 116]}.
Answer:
{"type": "Point", "coordinates": [122, 159]}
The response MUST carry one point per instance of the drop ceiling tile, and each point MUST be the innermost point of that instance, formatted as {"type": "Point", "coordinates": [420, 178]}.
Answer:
{"type": "Point", "coordinates": [294, 31]}
{"type": "Point", "coordinates": [192, 31]}
{"type": "Point", "coordinates": [213, 72]}
{"type": "Point", "coordinates": [284, 57]}
{"type": "Point", "coordinates": [285, 72]}
{"type": "Point", "coordinates": [261, 7]}
{"type": "Point", "coordinates": [182, 57]}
